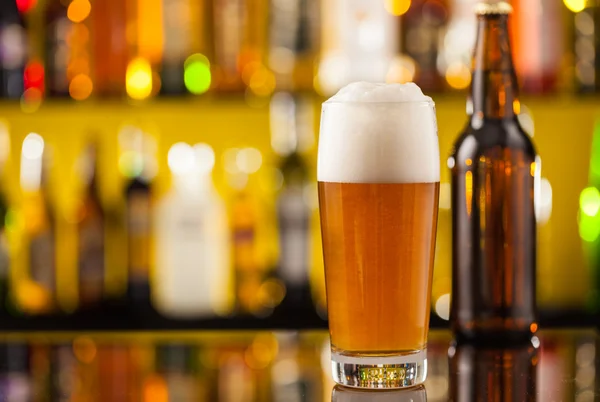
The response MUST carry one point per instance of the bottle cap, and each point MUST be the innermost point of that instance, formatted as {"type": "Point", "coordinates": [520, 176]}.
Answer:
{"type": "Point", "coordinates": [493, 7]}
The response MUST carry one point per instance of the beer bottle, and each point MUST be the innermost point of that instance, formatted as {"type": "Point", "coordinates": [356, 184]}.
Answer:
{"type": "Point", "coordinates": [90, 231]}
{"type": "Point", "coordinates": [494, 171]}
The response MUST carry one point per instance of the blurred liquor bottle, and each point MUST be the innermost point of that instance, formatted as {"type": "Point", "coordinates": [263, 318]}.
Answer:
{"type": "Point", "coordinates": [291, 130]}
{"type": "Point", "coordinates": [186, 39]}
{"type": "Point", "coordinates": [254, 292]}
{"type": "Point", "coordinates": [586, 18]}
{"type": "Point", "coordinates": [537, 32]}
{"type": "Point", "coordinates": [39, 360]}
{"type": "Point", "coordinates": [67, 49]}
{"type": "Point", "coordinates": [138, 165]}
{"type": "Point", "coordinates": [239, 44]}
{"type": "Point", "coordinates": [177, 365]}
{"type": "Point", "coordinates": [423, 26]}
{"type": "Point", "coordinates": [15, 372]}
{"type": "Point", "coordinates": [91, 228]}
{"type": "Point", "coordinates": [7, 296]}
{"type": "Point", "coordinates": [293, 43]}
{"type": "Point", "coordinates": [13, 50]}
{"type": "Point", "coordinates": [454, 59]}
{"type": "Point", "coordinates": [493, 373]}
{"type": "Point", "coordinates": [359, 41]}
{"type": "Point", "coordinates": [37, 294]}
{"type": "Point", "coordinates": [192, 253]}
{"type": "Point", "coordinates": [110, 47]}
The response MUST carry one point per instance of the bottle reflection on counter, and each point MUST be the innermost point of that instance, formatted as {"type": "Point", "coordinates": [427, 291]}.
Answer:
{"type": "Point", "coordinates": [493, 373]}
{"type": "Point", "coordinates": [15, 372]}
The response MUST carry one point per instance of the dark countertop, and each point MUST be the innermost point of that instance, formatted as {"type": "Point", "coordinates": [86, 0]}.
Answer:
{"type": "Point", "coordinates": [285, 366]}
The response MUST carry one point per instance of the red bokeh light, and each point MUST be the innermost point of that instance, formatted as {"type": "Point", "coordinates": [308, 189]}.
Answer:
{"type": "Point", "coordinates": [34, 75]}
{"type": "Point", "coordinates": [25, 5]}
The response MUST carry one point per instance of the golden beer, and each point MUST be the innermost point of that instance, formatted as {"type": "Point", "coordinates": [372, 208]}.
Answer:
{"type": "Point", "coordinates": [378, 172]}
{"type": "Point", "coordinates": [378, 246]}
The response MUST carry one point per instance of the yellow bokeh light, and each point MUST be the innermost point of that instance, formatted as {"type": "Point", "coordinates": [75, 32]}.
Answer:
{"type": "Point", "coordinates": [262, 82]}
{"type": "Point", "coordinates": [81, 87]}
{"type": "Point", "coordinates": [139, 79]}
{"type": "Point", "coordinates": [575, 5]}
{"type": "Point", "coordinates": [458, 75]}
{"type": "Point", "coordinates": [397, 7]}
{"type": "Point", "coordinates": [79, 10]}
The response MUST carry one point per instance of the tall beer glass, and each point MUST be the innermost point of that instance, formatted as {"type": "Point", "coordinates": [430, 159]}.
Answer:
{"type": "Point", "coordinates": [378, 172]}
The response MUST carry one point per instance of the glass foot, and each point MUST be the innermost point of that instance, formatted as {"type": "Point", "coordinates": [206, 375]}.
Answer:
{"type": "Point", "coordinates": [375, 372]}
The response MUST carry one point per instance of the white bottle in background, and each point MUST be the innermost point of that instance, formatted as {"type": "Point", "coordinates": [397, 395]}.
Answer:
{"type": "Point", "coordinates": [192, 243]}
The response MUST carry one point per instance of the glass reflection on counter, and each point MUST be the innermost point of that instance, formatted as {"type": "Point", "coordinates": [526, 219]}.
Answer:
{"type": "Point", "coordinates": [342, 394]}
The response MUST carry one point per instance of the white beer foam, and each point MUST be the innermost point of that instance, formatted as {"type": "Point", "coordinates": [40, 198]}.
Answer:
{"type": "Point", "coordinates": [379, 133]}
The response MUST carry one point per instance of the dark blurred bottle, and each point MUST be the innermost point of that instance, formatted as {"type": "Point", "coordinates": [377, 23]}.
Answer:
{"type": "Point", "coordinates": [67, 49]}
{"type": "Point", "coordinates": [293, 209]}
{"type": "Point", "coordinates": [15, 372]}
{"type": "Point", "coordinates": [422, 37]}
{"type": "Point", "coordinates": [494, 171]}
{"type": "Point", "coordinates": [91, 234]}
{"type": "Point", "coordinates": [538, 35]}
{"type": "Point", "coordinates": [13, 50]}
{"type": "Point", "coordinates": [137, 164]}
{"type": "Point", "coordinates": [185, 30]}
{"type": "Point", "coordinates": [110, 47]}
{"type": "Point", "coordinates": [293, 43]}
{"type": "Point", "coordinates": [40, 227]}
{"type": "Point", "coordinates": [493, 373]}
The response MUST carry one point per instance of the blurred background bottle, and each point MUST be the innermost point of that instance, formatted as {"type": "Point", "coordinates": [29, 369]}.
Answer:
{"type": "Point", "coordinates": [37, 295]}
{"type": "Point", "coordinates": [91, 227]}
{"type": "Point", "coordinates": [15, 371]}
{"type": "Point", "coordinates": [192, 239]}
{"type": "Point", "coordinates": [13, 50]}
{"type": "Point", "coordinates": [138, 164]}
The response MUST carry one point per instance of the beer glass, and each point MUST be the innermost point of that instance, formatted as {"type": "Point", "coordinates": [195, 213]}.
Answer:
{"type": "Point", "coordinates": [378, 173]}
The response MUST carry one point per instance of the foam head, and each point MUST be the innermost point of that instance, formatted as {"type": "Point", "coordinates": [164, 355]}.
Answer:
{"type": "Point", "coordinates": [379, 133]}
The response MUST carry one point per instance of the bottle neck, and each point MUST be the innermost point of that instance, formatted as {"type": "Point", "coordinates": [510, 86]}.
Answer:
{"type": "Point", "coordinates": [494, 87]}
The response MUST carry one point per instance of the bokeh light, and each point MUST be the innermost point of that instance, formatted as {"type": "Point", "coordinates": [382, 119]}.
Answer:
{"type": "Point", "coordinates": [397, 7]}
{"type": "Point", "coordinates": [589, 201]}
{"type": "Point", "coordinates": [249, 160]}
{"type": "Point", "coordinates": [197, 75]}
{"type": "Point", "coordinates": [25, 6]}
{"type": "Point", "coordinates": [544, 202]}
{"type": "Point", "coordinates": [33, 146]}
{"type": "Point", "coordinates": [139, 79]}
{"type": "Point", "coordinates": [575, 5]}
{"type": "Point", "coordinates": [81, 87]}
{"type": "Point", "coordinates": [79, 10]}
{"type": "Point", "coordinates": [181, 158]}
{"type": "Point", "coordinates": [589, 227]}
{"type": "Point", "coordinates": [458, 75]}
{"type": "Point", "coordinates": [442, 306]}
{"type": "Point", "coordinates": [205, 157]}
{"type": "Point", "coordinates": [31, 100]}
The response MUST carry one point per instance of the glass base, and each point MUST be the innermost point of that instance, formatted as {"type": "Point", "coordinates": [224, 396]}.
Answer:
{"type": "Point", "coordinates": [375, 372]}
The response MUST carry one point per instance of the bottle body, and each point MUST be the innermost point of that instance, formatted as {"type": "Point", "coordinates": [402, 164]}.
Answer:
{"type": "Point", "coordinates": [494, 230]}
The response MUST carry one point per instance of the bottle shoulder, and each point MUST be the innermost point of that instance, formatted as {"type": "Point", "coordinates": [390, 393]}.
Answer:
{"type": "Point", "coordinates": [492, 135]}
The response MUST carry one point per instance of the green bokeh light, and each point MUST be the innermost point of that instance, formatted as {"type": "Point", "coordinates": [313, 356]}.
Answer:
{"type": "Point", "coordinates": [589, 201]}
{"type": "Point", "coordinates": [196, 75]}
{"type": "Point", "coordinates": [589, 228]}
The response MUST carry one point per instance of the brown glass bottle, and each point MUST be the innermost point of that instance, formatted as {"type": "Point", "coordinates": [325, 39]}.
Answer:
{"type": "Point", "coordinates": [494, 169]}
